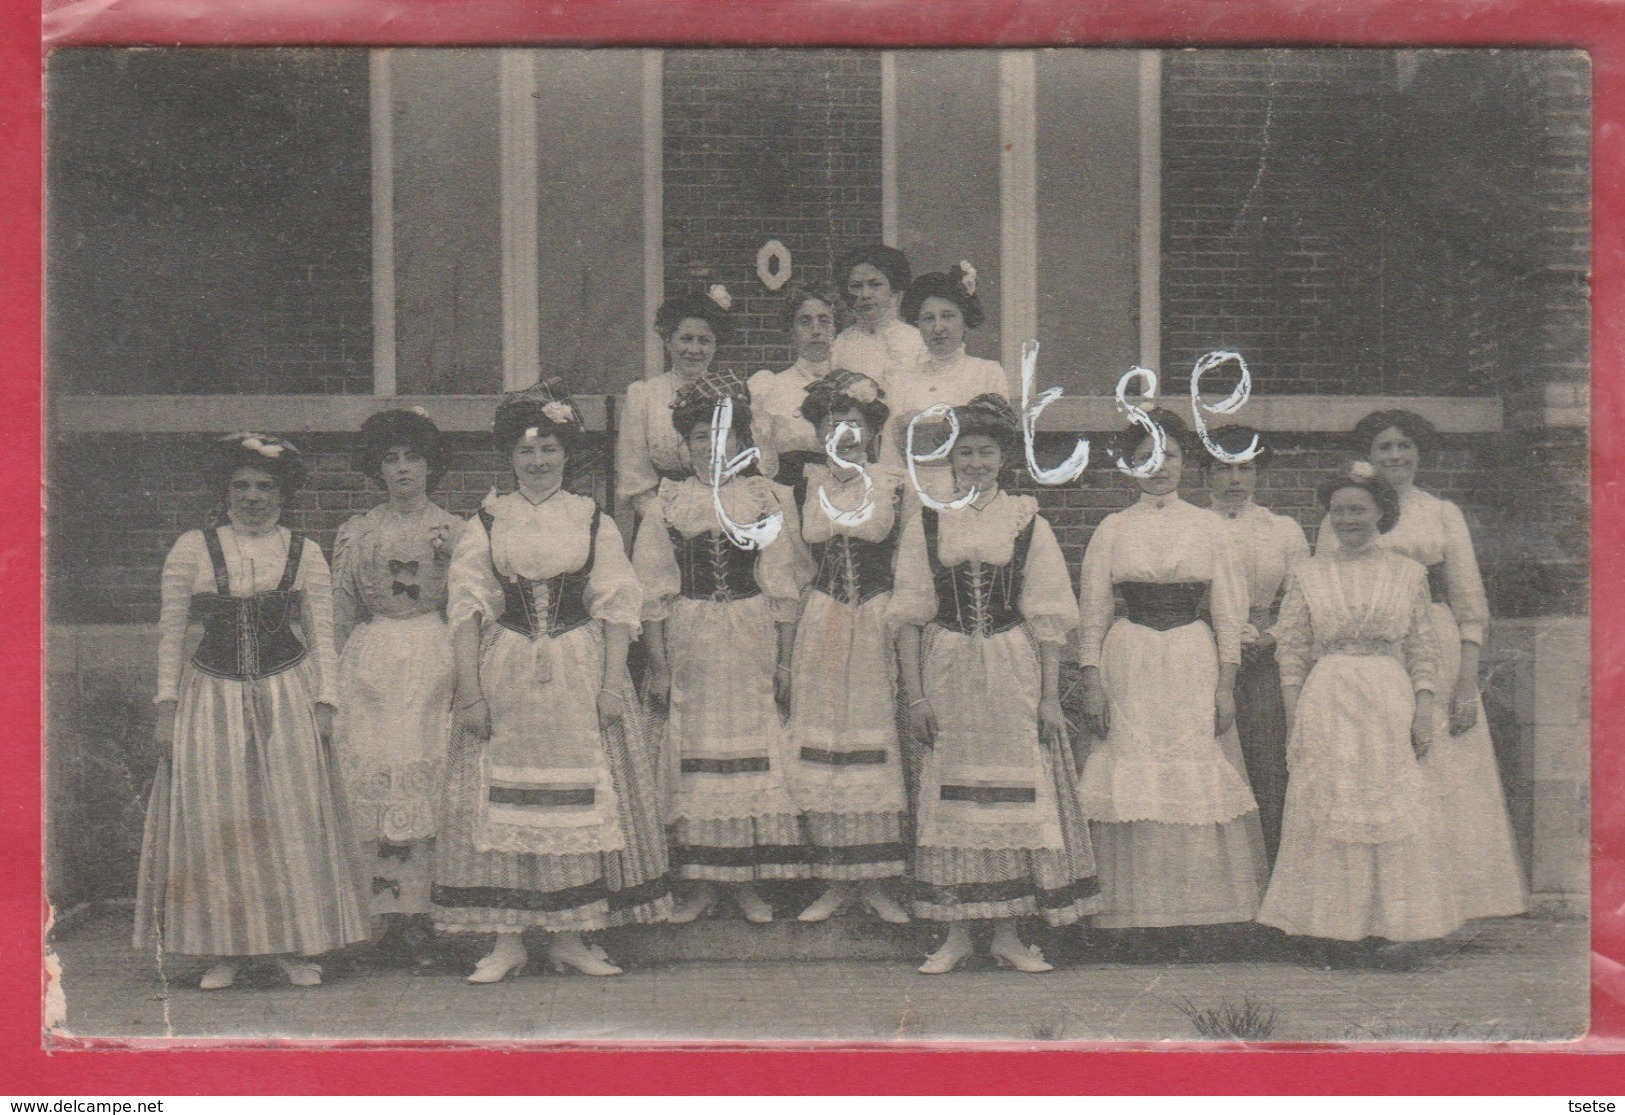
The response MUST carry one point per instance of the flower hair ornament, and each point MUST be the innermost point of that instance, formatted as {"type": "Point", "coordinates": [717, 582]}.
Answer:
{"type": "Point", "coordinates": [552, 397]}
{"type": "Point", "coordinates": [718, 293]}
{"type": "Point", "coordinates": [266, 445]}
{"type": "Point", "coordinates": [967, 277]}
{"type": "Point", "coordinates": [1362, 470]}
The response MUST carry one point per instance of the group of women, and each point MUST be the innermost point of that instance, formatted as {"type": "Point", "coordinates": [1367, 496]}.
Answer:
{"type": "Point", "coordinates": [443, 734]}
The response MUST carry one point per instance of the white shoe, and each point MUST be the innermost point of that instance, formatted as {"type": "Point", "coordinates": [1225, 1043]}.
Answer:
{"type": "Point", "coordinates": [573, 952]}
{"type": "Point", "coordinates": [504, 960]}
{"type": "Point", "coordinates": [300, 973]}
{"type": "Point", "coordinates": [220, 977]}
{"type": "Point", "coordinates": [950, 956]}
{"type": "Point", "coordinates": [886, 908]}
{"type": "Point", "coordinates": [1028, 958]}
{"type": "Point", "coordinates": [827, 906]}
{"type": "Point", "coordinates": [692, 906]}
{"type": "Point", "coordinates": [752, 906]}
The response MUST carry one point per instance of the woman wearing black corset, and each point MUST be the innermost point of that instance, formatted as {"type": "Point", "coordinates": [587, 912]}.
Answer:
{"type": "Point", "coordinates": [244, 854]}
{"type": "Point", "coordinates": [551, 818]}
{"type": "Point", "coordinates": [719, 615]}
{"type": "Point", "coordinates": [1170, 811]}
{"type": "Point", "coordinates": [984, 605]}
{"type": "Point", "coordinates": [845, 766]}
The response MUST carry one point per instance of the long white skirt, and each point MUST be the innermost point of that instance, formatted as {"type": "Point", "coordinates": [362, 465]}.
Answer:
{"type": "Point", "coordinates": [844, 764]}
{"type": "Point", "coordinates": [1475, 828]}
{"type": "Point", "coordinates": [395, 681]}
{"type": "Point", "coordinates": [1174, 823]}
{"type": "Point", "coordinates": [1360, 854]}
{"type": "Point", "coordinates": [246, 846]}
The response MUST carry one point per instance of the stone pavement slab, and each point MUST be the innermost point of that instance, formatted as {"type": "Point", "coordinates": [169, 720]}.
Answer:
{"type": "Point", "coordinates": [1515, 979]}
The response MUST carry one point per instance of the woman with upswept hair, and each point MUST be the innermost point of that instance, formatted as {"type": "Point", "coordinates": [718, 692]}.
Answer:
{"type": "Point", "coordinates": [1361, 859]}
{"type": "Point", "coordinates": [983, 606]}
{"type": "Point", "coordinates": [395, 673]}
{"type": "Point", "coordinates": [1171, 813]}
{"type": "Point", "coordinates": [1461, 766]}
{"type": "Point", "coordinates": [246, 852]}
{"type": "Point", "coordinates": [845, 765]}
{"type": "Point", "coordinates": [552, 816]}
{"type": "Point", "coordinates": [719, 619]}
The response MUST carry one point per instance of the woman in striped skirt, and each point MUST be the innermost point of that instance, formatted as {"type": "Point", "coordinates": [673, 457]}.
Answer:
{"type": "Point", "coordinates": [719, 622]}
{"type": "Point", "coordinates": [984, 605]}
{"type": "Point", "coordinates": [246, 846]}
{"type": "Point", "coordinates": [845, 766]}
{"type": "Point", "coordinates": [550, 818]}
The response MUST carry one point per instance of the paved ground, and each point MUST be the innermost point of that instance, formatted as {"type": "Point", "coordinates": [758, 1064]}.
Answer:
{"type": "Point", "coordinates": [1509, 980]}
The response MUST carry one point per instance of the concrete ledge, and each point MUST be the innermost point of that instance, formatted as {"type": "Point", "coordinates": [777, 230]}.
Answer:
{"type": "Point", "coordinates": [286, 414]}
{"type": "Point", "coordinates": [296, 414]}
{"type": "Point", "coordinates": [729, 938]}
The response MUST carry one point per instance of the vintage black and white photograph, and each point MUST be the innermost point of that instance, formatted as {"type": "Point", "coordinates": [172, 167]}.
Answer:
{"type": "Point", "coordinates": [865, 546]}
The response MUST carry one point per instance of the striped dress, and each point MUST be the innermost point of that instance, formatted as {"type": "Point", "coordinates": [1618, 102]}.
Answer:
{"type": "Point", "coordinates": [246, 845]}
{"type": "Point", "coordinates": [845, 766]}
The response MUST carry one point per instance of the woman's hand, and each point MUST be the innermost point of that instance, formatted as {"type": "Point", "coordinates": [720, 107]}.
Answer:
{"type": "Point", "coordinates": [1422, 729]}
{"type": "Point", "coordinates": [324, 721]}
{"type": "Point", "coordinates": [922, 722]}
{"type": "Point", "coordinates": [1422, 724]}
{"type": "Point", "coordinates": [657, 689]}
{"type": "Point", "coordinates": [1097, 713]}
{"type": "Point", "coordinates": [1051, 722]}
{"type": "Point", "coordinates": [781, 689]}
{"type": "Point", "coordinates": [473, 717]}
{"type": "Point", "coordinates": [163, 727]}
{"type": "Point", "coordinates": [611, 707]}
{"type": "Point", "coordinates": [1463, 706]}
{"type": "Point", "coordinates": [1224, 709]}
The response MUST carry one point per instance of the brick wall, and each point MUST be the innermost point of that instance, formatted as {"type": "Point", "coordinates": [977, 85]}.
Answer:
{"type": "Point", "coordinates": [764, 145]}
{"type": "Point", "coordinates": [1301, 228]}
{"type": "Point", "coordinates": [117, 504]}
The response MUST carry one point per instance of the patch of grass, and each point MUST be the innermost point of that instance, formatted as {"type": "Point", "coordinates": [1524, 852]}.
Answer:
{"type": "Point", "coordinates": [1492, 1033]}
{"type": "Point", "coordinates": [1249, 1020]}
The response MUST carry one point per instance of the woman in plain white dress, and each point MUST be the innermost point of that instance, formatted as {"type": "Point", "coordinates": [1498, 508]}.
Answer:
{"type": "Point", "coordinates": [872, 278]}
{"type": "Point", "coordinates": [1461, 766]}
{"type": "Point", "coordinates": [647, 449]}
{"type": "Point", "coordinates": [1360, 856]}
{"type": "Point", "coordinates": [1169, 809]}
{"type": "Point", "coordinates": [944, 306]}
